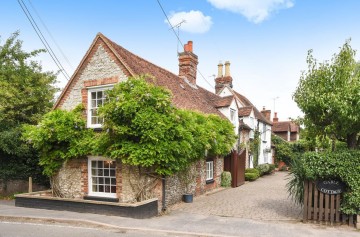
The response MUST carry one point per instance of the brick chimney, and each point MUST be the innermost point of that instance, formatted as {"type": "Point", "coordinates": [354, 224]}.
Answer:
{"type": "Point", "coordinates": [222, 81]}
{"type": "Point", "coordinates": [275, 119]}
{"type": "Point", "coordinates": [188, 62]}
{"type": "Point", "coordinates": [266, 113]}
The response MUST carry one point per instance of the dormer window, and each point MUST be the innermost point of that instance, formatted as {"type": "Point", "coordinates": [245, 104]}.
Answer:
{"type": "Point", "coordinates": [96, 98]}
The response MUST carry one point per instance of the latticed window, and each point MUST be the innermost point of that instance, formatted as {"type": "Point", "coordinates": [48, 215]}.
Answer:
{"type": "Point", "coordinates": [102, 177]}
{"type": "Point", "coordinates": [96, 99]}
{"type": "Point", "coordinates": [209, 170]}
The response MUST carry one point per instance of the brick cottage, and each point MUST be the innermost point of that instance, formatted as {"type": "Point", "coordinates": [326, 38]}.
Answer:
{"type": "Point", "coordinates": [100, 178]}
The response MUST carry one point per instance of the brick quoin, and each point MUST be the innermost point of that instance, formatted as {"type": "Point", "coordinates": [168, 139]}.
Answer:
{"type": "Point", "coordinates": [96, 82]}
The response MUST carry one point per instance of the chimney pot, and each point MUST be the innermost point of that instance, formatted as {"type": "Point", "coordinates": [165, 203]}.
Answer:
{"type": "Point", "coordinates": [220, 70]}
{"type": "Point", "coordinates": [227, 69]}
{"type": "Point", "coordinates": [275, 119]}
{"type": "Point", "coordinates": [188, 47]}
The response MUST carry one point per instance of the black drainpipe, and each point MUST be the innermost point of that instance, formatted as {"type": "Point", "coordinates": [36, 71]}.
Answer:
{"type": "Point", "coordinates": [163, 193]}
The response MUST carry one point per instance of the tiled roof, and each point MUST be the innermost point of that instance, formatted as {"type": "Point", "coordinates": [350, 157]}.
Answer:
{"type": "Point", "coordinates": [247, 103]}
{"type": "Point", "coordinates": [294, 127]}
{"type": "Point", "coordinates": [245, 111]}
{"type": "Point", "coordinates": [224, 101]}
{"type": "Point", "coordinates": [184, 95]}
{"type": "Point", "coordinates": [281, 126]}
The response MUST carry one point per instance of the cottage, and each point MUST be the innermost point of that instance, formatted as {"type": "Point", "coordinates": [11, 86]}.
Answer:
{"type": "Point", "coordinates": [99, 178]}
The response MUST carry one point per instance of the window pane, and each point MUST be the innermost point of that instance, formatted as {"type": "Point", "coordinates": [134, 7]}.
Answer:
{"type": "Point", "coordinates": [94, 180]}
{"type": "Point", "coordinates": [101, 188]}
{"type": "Point", "coordinates": [93, 164]}
{"type": "Point", "coordinates": [113, 189]}
{"type": "Point", "coordinates": [107, 180]}
{"type": "Point", "coordinates": [100, 172]}
{"type": "Point", "coordinates": [100, 164]}
{"type": "Point", "coordinates": [106, 172]}
{"type": "Point", "coordinates": [94, 188]}
{"type": "Point", "coordinates": [112, 164]}
{"type": "Point", "coordinates": [94, 172]}
{"type": "Point", "coordinates": [106, 164]}
{"type": "Point", "coordinates": [112, 172]}
{"type": "Point", "coordinates": [93, 95]}
{"type": "Point", "coordinates": [113, 181]}
{"type": "Point", "coordinates": [101, 180]}
{"type": "Point", "coordinates": [99, 94]}
{"type": "Point", "coordinates": [93, 120]}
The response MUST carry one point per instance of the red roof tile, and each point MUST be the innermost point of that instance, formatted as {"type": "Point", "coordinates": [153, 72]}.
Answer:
{"type": "Point", "coordinates": [247, 103]}
{"type": "Point", "coordinates": [281, 126]}
{"type": "Point", "coordinates": [245, 111]}
{"type": "Point", "coordinates": [184, 95]}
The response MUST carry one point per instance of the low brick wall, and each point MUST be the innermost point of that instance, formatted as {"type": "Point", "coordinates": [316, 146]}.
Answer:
{"type": "Point", "coordinates": [140, 210]}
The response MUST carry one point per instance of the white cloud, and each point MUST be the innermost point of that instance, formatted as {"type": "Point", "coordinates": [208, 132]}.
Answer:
{"type": "Point", "coordinates": [254, 10]}
{"type": "Point", "coordinates": [195, 21]}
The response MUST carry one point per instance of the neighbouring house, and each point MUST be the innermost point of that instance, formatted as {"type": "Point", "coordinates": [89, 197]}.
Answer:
{"type": "Point", "coordinates": [99, 178]}
{"type": "Point", "coordinates": [287, 130]}
{"type": "Point", "coordinates": [248, 119]}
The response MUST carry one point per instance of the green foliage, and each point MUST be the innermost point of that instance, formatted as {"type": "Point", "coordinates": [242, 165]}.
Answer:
{"type": "Point", "coordinates": [255, 147]}
{"type": "Point", "coordinates": [26, 94]}
{"type": "Point", "coordinates": [252, 170]}
{"type": "Point", "coordinates": [225, 179]}
{"type": "Point", "coordinates": [343, 165]}
{"type": "Point", "coordinates": [144, 129]}
{"type": "Point", "coordinates": [251, 176]}
{"type": "Point", "coordinates": [60, 136]}
{"type": "Point", "coordinates": [328, 94]}
{"type": "Point", "coordinates": [283, 150]}
{"type": "Point", "coordinates": [263, 169]}
{"type": "Point", "coordinates": [271, 168]}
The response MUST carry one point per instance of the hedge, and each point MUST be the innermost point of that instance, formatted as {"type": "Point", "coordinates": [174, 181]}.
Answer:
{"type": "Point", "coordinates": [342, 165]}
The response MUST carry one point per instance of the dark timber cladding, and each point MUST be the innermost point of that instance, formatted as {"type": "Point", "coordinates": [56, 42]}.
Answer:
{"type": "Point", "coordinates": [147, 210]}
{"type": "Point", "coordinates": [322, 207]}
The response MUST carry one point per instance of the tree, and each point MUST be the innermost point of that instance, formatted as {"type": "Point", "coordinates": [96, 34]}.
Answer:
{"type": "Point", "coordinates": [26, 94]}
{"type": "Point", "coordinates": [328, 94]}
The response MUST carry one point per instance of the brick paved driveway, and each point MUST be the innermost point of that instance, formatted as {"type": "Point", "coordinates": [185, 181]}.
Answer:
{"type": "Point", "coordinates": [263, 199]}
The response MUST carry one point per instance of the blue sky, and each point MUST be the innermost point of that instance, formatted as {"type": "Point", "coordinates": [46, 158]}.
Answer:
{"type": "Point", "coordinates": [266, 41]}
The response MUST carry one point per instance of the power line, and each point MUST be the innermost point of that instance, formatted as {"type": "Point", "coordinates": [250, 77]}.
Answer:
{"type": "Point", "coordinates": [172, 27]}
{"type": "Point", "coordinates": [42, 38]}
{"type": "Point", "coordinates": [47, 30]}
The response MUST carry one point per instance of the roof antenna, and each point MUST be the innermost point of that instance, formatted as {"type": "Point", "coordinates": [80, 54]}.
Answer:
{"type": "Point", "coordinates": [178, 25]}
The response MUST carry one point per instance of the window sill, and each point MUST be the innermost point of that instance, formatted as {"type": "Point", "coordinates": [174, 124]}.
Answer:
{"type": "Point", "coordinates": [102, 199]}
{"type": "Point", "coordinates": [210, 181]}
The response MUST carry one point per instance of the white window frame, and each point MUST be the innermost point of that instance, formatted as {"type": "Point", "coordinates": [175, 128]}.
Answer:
{"type": "Point", "coordinates": [264, 131]}
{"type": "Point", "coordinates": [209, 170]}
{"type": "Point", "coordinates": [90, 183]}
{"type": "Point", "coordinates": [89, 105]}
{"type": "Point", "coordinates": [233, 115]}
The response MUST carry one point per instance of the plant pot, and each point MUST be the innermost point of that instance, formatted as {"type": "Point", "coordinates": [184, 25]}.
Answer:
{"type": "Point", "coordinates": [188, 198]}
{"type": "Point", "coordinates": [281, 164]}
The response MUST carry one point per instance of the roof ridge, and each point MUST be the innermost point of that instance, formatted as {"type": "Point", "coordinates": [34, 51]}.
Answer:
{"type": "Point", "coordinates": [137, 56]}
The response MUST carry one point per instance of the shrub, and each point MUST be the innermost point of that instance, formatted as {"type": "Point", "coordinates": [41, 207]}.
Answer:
{"type": "Point", "coordinates": [263, 169]}
{"type": "Point", "coordinates": [271, 168]}
{"type": "Point", "coordinates": [342, 165]}
{"type": "Point", "coordinates": [251, 176]}
{"type": "Point", "coordinates": [225, 179]}
{"type": "Point", "coordinates": [252, 170]}
{"type": "Point", "coordinates": [283, 168]}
